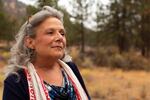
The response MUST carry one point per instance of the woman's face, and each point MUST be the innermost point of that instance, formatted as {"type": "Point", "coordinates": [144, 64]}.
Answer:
{"type": "Point", "coordinates": [50, 40]}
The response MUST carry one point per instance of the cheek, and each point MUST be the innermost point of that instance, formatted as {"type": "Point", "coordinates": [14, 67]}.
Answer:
{"type": "Point", "coordinates": [42, 43]}
{"type": "Point", "coordinates": [44, 40]}
{"type": "Point", "coordinates": [65, 42]}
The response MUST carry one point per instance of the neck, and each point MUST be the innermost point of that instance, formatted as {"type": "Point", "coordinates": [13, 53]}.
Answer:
{"type": "Point", "coordinates": [45, 64]}
{"type": "Point", "coordinates": [49, 70]}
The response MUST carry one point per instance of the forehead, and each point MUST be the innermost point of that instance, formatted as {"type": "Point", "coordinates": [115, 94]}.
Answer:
{"type": "Point", "coordinates": [51, 22]}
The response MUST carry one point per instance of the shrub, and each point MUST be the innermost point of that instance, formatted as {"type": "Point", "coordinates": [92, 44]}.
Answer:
{"type": "Point", "coordinates": [132, 60]}
{"type": "Point", "coordinates": [118, 61]}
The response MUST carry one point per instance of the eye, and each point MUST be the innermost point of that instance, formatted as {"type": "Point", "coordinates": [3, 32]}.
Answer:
{"type": "Point", "coordinates": [49, 32]}
{"type": "Point", "coordinates": [62, 32]}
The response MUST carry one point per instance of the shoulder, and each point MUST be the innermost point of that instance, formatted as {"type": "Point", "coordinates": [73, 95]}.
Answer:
{"type": "Point", "coordinates": [16, 77]}
{"type": "Point", "coordinates": [15, 86]}
{"type": "Point", "coordinates": [76, 71]}
{"type": "Point", "coordinates": [73, 66]}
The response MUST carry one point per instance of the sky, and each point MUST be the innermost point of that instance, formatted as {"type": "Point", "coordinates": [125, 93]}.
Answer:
{"type": "Point", "coordinates": [32, 2]}
{"type": "Point", "coordinates": [64, 3]}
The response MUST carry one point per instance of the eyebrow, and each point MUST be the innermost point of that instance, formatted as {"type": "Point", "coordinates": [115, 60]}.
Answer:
{"type": "Point", "coordinates": [62, 29]}
{"type": "Point", "coordinates": [56, 29]}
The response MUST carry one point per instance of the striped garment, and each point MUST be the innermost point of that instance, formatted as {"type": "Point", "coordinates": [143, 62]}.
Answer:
{"type": "Point", "coordinates": [38, 90]}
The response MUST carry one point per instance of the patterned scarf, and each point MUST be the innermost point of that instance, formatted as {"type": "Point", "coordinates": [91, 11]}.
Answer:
{"type": "Point", "coordinates": [37, 89]}
{"type": "Point", "coordinates": [65, 92]}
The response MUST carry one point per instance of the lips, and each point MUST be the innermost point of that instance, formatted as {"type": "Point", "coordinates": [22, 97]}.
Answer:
{"type": "Point", "coordinates": [59, 47]}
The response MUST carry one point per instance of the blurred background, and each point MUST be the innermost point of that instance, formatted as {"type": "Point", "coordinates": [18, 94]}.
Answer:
{"type": "Point", "coordinates": [109, 40]}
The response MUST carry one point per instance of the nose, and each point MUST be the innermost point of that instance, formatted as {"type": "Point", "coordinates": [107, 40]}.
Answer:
{"type": "Point", "coordinates": [59, 36]}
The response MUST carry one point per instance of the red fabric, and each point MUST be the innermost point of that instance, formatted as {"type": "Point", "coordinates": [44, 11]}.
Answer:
{"type": "Point", "coordinates": [30, 85]}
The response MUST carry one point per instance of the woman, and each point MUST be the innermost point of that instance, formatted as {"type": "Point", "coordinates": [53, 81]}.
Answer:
{"type": "Point", "coordinates": [39, 68]}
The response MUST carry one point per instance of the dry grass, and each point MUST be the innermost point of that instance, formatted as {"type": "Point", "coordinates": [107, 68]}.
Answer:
{"type": "Point", "coordinates": [1, 92]}
{"type": "Point", "coordinates": [1, 85]}
{"type": "Point", "coordinates": [105, 84]}
{"type": "Point", "coordinates": [2, 64]}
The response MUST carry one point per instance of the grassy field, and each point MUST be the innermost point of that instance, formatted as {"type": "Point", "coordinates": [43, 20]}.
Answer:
{"type": "Point", "coordinates": [106, 84]}
{"type": "Point", "coordinates": [1, 92]}
{"type": "Point", "coordinates": [1, 85]}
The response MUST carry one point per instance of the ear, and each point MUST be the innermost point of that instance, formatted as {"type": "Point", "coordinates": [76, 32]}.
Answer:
{"type": "Point", "coordinates": [29, 42]}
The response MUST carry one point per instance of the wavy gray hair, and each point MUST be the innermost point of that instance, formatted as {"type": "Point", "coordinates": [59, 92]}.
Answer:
{"type": "Point", "coordinates": [20, 54]}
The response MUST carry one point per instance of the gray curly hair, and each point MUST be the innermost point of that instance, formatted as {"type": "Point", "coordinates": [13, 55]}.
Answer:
{"type": "Point", "coordinates": [20, 54]}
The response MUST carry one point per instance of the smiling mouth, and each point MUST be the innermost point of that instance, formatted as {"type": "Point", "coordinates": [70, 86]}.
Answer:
{"type": "Point", "coordinates": [58, 47]}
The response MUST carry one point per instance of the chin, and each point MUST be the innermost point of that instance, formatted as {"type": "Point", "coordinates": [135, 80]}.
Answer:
{"type": "Point", "coordinates": [59, 56]}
